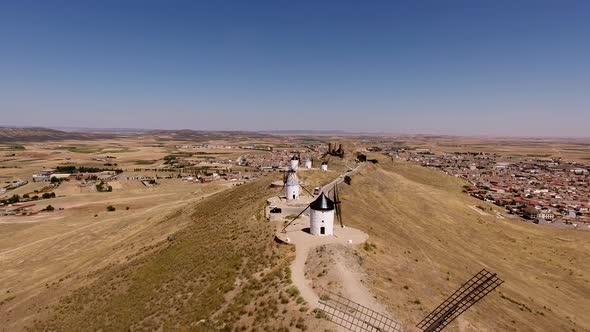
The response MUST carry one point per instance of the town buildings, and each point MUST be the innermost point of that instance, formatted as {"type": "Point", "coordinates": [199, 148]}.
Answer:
{"type": "Point", "coordinates": [544, 190]}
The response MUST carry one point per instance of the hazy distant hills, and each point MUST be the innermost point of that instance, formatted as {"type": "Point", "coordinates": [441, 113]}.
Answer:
{"type": "Point", "coordinates": [38, 134]}
{"type": "Point", "coordinates": [187, 134]}
{"type": "Point", "coordinates": [14, 134]}
{"type": "Point", "coordinates": [305, 132]}
{"type": "Point", "coordinates": [33, 134]}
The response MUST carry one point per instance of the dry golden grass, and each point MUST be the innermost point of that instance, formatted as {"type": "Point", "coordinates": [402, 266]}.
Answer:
{"type": "Point", "coordinates": [222, 272]}
{"type": "Point", "coordinates": [213, 270]}
{"type": "Point", "coordinates": [48, 255]}
{"type": "Point", "coordinates": [427, 242]}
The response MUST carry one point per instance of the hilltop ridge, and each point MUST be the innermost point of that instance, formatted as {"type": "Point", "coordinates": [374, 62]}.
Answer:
{"type": "Point", "coordinates": [429, 239]}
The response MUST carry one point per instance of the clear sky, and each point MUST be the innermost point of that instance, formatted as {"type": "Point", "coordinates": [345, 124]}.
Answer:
{"type": "Point", "coordinates": [441, 67]}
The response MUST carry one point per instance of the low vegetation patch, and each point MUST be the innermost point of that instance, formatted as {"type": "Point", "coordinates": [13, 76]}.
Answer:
{"type": "Point", "coordinates": [102, 187]}
{"type": "Point", "coordinates": [348, 180]}
{"type": "Point", "coordinates": [144, 162]}
{"type": "Point", "coordinates": [370, 247]}
{"type": "Point", "coordinates": [14, 148]}
{"type": "Point", "coordinates": [85, 169]}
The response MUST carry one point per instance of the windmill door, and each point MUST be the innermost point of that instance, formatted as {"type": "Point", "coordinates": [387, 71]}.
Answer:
{"type": "Point", "coordinates": [322, 230]}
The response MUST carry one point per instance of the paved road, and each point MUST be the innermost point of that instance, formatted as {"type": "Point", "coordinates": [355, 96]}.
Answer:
{"type": "Point", "coordinates": [340, 179]}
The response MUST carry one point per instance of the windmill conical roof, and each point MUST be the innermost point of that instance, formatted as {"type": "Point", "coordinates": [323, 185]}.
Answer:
{"type": "Point", "coordinates": [295, 157]}
{"type": "Point", "coordinates": [322, 203]}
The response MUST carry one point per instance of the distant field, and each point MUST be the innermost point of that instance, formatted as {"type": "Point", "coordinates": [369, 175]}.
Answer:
{"type": "Point", "coordinates": [428, 241]}
{"type": "Point", "coordinates": [80, 149]}
{"type": "Point", "coordinates": [569, 149]}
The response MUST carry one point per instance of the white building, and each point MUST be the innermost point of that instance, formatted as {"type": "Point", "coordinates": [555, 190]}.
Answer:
{"type": "Point", "coordinates": [321, 216]}
{"type": "Point", "coordinates": [40, 178]}
{"type": "Point", "coordinates": [325, 166]}
{"type": "Point", "coordinates": [307, 163]}
{"type": "Point", "coordinates": [294, 163]}
{"type": "Point", "coordinates": [292, 186]}
{"type": "Point", "coordinates": [546, 214]}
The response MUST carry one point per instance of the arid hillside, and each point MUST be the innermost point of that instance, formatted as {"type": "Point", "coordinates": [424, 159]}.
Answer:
{"type": "Point", "coordinates": [426, 239]}
{"type": "Point", "coordinates": [222, 272]}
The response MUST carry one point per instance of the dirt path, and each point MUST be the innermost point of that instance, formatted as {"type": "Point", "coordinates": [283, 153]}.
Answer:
{"type": "Point", "coordinates": [298, 275]}
{"type": "Point", "coordinates": [351, 279]}
{"type": "Point", "coordinates": [118, 200]}
{"type": "Point", "coordinates": [354, 287]}
{"type": "Point", "coordinates": [477, 210]}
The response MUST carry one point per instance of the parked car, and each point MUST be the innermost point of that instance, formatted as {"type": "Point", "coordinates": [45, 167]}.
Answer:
{"type": "Point", "coordinates": [276, 210]}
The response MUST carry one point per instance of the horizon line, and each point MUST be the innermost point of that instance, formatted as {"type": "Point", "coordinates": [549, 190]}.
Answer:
{"type": "Point", "coordinates": [296, 132]}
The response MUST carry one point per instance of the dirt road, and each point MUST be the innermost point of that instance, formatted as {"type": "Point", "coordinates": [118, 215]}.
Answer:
{"type": "Point", "coordinates": [305, 245]}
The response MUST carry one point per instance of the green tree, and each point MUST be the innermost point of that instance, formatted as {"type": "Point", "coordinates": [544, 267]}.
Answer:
{"type": "Point", "coordinates": [13, 199]}
{"type": "Point", "coordinates": [48, 195]}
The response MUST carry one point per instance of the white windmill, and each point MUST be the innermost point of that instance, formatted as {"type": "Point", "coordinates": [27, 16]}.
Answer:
{"type": "Point", "coordinates": [323, 211]}
{"type": "Point", "coordinates": [292, 186]}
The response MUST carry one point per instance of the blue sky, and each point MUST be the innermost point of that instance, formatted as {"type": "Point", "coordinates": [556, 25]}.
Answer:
{"type": "Point", "coordinates": [440, 67]}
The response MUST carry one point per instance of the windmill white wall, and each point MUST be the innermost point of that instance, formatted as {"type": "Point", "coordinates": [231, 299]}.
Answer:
{"type": "Point", "coordinates": [307, 164]}
{"type": "Point", "coordinates": [321, 216]}
{"type": "Point", "coordinates": [292, 186]}
{"type": "Point", "coordinates": [321, 222]}
{"type": "Point", "coordinates": [324, 166]}
{"type": "Point", "coordinates": [294, 163]}
{"type": "Point", "coordinates": [292, 192]}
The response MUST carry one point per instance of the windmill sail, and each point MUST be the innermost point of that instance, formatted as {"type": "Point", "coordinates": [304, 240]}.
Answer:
{"type": "Point", "coordinates": [284, 230]}
{"type": "Point", "coordinates": [337, 205]}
